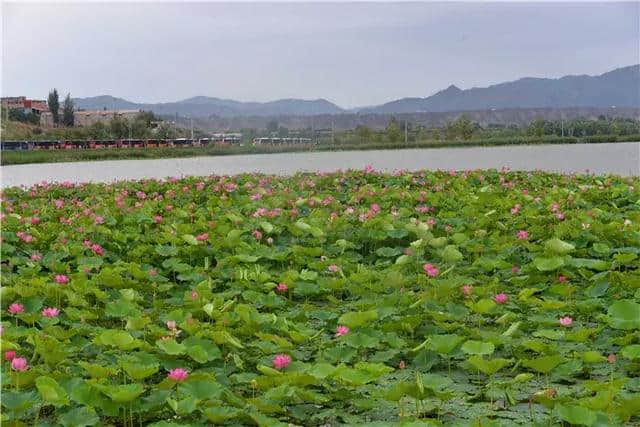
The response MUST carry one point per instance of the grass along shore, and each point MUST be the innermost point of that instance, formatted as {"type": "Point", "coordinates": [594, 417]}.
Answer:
{"type": "Point", "coordinates": [57, 156]}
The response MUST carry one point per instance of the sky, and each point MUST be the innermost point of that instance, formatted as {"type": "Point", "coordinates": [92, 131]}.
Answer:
{"type": "Point", "coordinates": [353, 54]}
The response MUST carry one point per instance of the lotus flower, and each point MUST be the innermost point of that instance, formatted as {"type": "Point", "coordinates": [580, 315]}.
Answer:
{"type": "Point", "coordinates": [19, 364]}
{"type": "Point", "coordinates": [16, 308]}
{"type": "Point", "coordinates": [62, 279]}
{"type": "Point", "coordinates": [523, 235]}
{"type": "Point", "coordinates": [566, 321]}
{"type": "Point", "coordinates": [178, 374]}
{"type": "Point", "coordinates": [341, 330]}
{"type": "Point", "coordinates": [501, 298]}
{"type": "Point", "coordinates": [281, 361]}
{"type": "Point", "coordinates": [50, 312]}
{"type": "Point", "coordinates": [9, 355]}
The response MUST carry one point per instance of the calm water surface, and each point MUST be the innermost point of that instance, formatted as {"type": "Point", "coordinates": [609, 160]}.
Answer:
{"type": "Point", "coordinates": [616, 158]}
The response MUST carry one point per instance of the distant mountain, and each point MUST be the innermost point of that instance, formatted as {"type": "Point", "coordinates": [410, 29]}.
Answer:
{"type": "Point", "coordinates": [203, 106]}
{"type": "Point", "coordinates": [620, 87]}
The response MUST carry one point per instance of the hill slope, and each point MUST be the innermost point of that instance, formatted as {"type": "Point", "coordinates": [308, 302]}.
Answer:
{"type": "Point", "coordinates": [203, 106]}
{"type": "Point", "coordinates": [620, 87]}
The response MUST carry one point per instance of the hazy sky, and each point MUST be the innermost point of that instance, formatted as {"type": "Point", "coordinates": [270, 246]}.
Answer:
{"type": "Point", "coordinates": [353, 54]}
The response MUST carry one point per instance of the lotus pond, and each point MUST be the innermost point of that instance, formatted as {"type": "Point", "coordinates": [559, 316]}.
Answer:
{"type": "Point", "coordinates": [415, 298]}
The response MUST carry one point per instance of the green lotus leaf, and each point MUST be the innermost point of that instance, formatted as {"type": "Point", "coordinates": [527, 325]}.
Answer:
{"type": "Point", "coordinates": [631, 351]}
{"type": "Point", "coordinates": [79, 417]}
{"type": "Point", "coordinates": [171, 346]}
{"type": "Point", "coordinates": [355, 319]}
{"type": "Point", "coordinates": [624, 314]}
{"type": "Point", "coordinates": [51, 391]}
{"type": "Point", "coordinates": [451, 254]}
{"type": "Point", "coordinates": [548, 264]}
{"type": "Point", "coordinates": [576, 415]}
{"type": "Point", "coordinates": [123, 393]}
{"type": "Point", "coordinates": [477, 347]}
{"type": "Point", "coordinates": [444, 344]}
{"type": "Point", "coordinates": [120, 339]}
{"type": "Point", "coordinates": [488, 367]}
{"type": "Point", "coordinates": [544, 364]}
{"type": "Point", "coordinates": [559, 247]}
{"type": "Point", "coordinates": [139, 371]}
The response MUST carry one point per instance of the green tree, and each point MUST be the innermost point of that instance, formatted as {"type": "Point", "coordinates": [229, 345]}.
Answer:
{"type": "Point", "coordinates": [364, 133]}
{"type": "Point", "coordinates": [118, 127]}
{"type": "Point", "coordinates": [272, 126]}
{"type": "Point", "coordinates": [393, 131]}
{"type": "Point", "coordinates": [464, 127]}
{"type": "Point", "coordinates": [67, 111]}
{"type": "Point", "coordinates": [54, 105]}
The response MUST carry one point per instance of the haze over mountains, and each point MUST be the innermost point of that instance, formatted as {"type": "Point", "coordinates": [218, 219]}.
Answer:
{"type": "Point", "coordinates": [620, 88]}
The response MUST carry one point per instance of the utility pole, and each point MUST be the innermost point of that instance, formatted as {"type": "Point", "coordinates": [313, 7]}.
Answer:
{"type": "Point", "coordinates": [406, 139]}
{"type": "Point", "coordinates": [562, 127]}
{"type": "Point", "coordinates": [192, 129]}
{"type": "Point", "coordinates": [332, 138]}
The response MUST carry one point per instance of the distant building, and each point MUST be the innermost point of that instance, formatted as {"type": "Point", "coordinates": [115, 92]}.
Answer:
{"type": "Point", "coordinates": [89, 117]}
{"type": "Point", "coordinates": [35, 106]}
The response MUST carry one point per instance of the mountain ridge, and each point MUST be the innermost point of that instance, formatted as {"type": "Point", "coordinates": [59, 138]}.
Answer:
{"type": "Point", "coordinates": [619, 87]}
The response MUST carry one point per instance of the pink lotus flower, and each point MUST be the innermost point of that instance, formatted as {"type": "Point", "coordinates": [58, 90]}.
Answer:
{"type": "Point", "coordinates": [467, 289]}
{"type": "Point", "coordinates": [36, 257]}
{"type": "Point", "coordinates": [282, 288]}
{"type": "Point", "coordinates": [158, 219]}
{"type": "Point", "coordinates": [612, 358]}
{"type": "Point", "coordinates": [19, 364]}
{"type": "Point", "coordinates": [501, 298]}
{"type": "Point", "coordinates": [257, 234]}
{"type": "Point", "coordinates": [178, 374]}
{"type": "Point", "coordinates": [566, 321]}
{"type": "Point", "coordinates": [281, 361]}
{"type": "Point", "coordinates": [9, 355]}
{"type": "Point", "coordinates": [516, 209]}
{"type": "Point", "coordinates": [35, 220]}
{"type": "Point", "coordinates": [562, 279]}
{"type": "Point", "coordinates": [333, 268]}
{"type": "Point", "coordinates": [523, 235]}
{"type": "Point", "coordinates": [97, 249]}
{"type": "Point", "coordinates": [341, 330]}
{"type": "Point", "coordinates": [16, 308]}
{"type": "Point", "coordinates": [171, 324]}
{"type": "Point", "coordinates": [59, 204]}
{"type": "Point", "coordinates": [62, 279]}
{"type": "Point", "coordinates": [431, 270]}
{"type": "Point", "coordinates": [194, 295]}
{"type": "Point", "coordinates": [50, 312]}
{"type": "Point", "coordinates": [98, 220]}
{"type": "Point", "coordinates": [202, 237]}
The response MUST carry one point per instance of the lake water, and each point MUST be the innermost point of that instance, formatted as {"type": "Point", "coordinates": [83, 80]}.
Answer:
{"type": "Point", "coordinates": [615, 158]}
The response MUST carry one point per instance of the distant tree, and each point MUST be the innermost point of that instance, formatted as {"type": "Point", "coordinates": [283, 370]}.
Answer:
{"type": "Point", "coordinates": [393, 130]}
{"type": "Point", "coordinates": [118, 127]}
{"type": "Point", "coordinates": [67, 111]}
{"type": "Point", "coordinates": [364, 133]}
{"type": "Point", "coordinates": [54, 105]}
{"type": "Point", "coordinates": [272, 126]}
{"type": "Point", "coordinates": [464, 127]}
{"type": "Point", "coordinates": [17, 115]}
{"type": "Point", "coordinates": [450, 131]}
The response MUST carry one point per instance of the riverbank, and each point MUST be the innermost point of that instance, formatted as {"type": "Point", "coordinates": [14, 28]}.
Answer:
{"type": "Point", "coordinates": [605, 158]}
{"type": "Point", "coordinates": [57, 156]}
